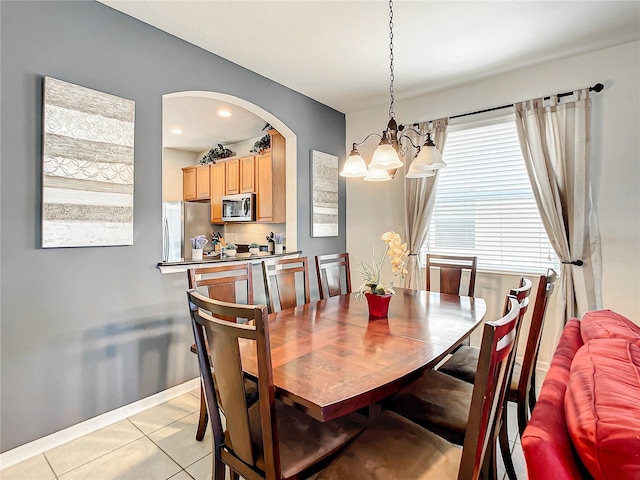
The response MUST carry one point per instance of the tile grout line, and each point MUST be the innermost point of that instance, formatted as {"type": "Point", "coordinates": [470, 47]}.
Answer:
{"type": "Point", "coordinates": [184, 468]}
{"type": "Point", "coordinates": [93, 459]}
{"type": "Point", "coordinates": [50, 466]}
{"type": "Point", "coordinates": [121, 446]}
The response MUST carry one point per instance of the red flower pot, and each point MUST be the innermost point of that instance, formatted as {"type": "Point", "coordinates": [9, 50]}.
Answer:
{"type": "Point", "coordinates": [378, 304]}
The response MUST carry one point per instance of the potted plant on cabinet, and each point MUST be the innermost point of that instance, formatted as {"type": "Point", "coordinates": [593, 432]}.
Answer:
{"type": "Point", "coordinates": [254, 249]}
{"type": "Point", "coordinates": [216, 153]}
{"type": "Point", "coordinates": [231, 250]}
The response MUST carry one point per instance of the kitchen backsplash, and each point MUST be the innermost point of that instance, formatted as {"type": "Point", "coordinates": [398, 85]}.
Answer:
{"type": "Point", "coordinates": [245, 233]}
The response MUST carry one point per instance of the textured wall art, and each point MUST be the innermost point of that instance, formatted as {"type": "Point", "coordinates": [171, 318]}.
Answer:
{"type": "Point", "coordinates": [87, 167]}
{"type": "Point", "coordinates": [324, 188]}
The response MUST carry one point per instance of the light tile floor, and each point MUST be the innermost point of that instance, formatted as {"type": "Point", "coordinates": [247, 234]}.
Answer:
{"type": "Point", "coordinates": [157, 444]}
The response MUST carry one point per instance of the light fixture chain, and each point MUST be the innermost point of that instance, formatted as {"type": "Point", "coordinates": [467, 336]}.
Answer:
{"type": "Point", "coordinates": [391, 76]}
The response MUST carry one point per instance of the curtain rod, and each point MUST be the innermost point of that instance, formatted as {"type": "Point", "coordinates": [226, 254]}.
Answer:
{"type": "Point", "coordinates": [598, 87]}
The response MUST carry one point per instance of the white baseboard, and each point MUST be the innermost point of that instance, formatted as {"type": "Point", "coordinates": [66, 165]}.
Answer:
{"type": "Point", "coordinates": [31, 449]}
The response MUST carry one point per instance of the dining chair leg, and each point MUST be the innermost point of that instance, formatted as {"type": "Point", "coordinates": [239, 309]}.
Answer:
{"type": "Point", "coordinates": [532, 392]}
{"type": "Point", "coordinates": [523, 413]}
{"type": "Point", "coordinates": [219, 469]}
{"type": "Point", "coordinates": [505, 449]}
{"type": "Point", "coordinates": [235, 475]}
{"type": "Point", "coordinates": [204, 417]}
{"type": "Point", "coordinates": [489, 470]}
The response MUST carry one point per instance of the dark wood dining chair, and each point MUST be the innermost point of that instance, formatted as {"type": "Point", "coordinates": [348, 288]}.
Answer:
{"type": "Point", "coordinates": [280, 282]}
{"type": "Point", "coordinates": [521, 391]}
{"type": "Point", "coordinates": [440, 402]}
{"type": "Point", "coordinates": [267, 440]}
{"type": "Point", "coordinates": [334, 274]}
{"type": "Point", "coordinates": [393, 447]}
{"type": "Point", "coordinates": [451, 269]}
{"type": "Point", "coordinates": [227, 283]}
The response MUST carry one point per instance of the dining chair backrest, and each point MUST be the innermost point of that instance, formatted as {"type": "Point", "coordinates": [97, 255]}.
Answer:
{"type": "Point", "coordinates": [545, 289]}
{"type": "Point", "coordinates": [488, 391]}
{"type": "Point", "coordinates": [451, 268]}
{"type": "Point", "coordinates": [224, 337]}
{"type": "Point", "coordinates": [280, 282]}
{"type": "Point", "coordinates": [521, 294]}
{"type": "Point", "coordinates": [224, 282]}
{"type": "Point", "coordinates": [334, 274]}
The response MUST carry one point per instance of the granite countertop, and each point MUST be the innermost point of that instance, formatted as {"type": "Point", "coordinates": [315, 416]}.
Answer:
{"type": "Point", "coordinates": [169, 267]}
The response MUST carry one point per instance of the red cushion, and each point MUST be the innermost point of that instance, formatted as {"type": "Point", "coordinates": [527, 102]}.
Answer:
{"type": "Point", "coordinates": [602, 407]}
{"type": "Point", "coordinates": [545, 442]}
{"type": "Point", "coordinates": [608, 324]}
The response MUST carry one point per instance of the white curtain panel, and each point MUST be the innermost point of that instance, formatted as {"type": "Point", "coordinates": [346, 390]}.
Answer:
{"type": "Point", "coordinates": [420, 196]}
{"type": "Point", "coordinates": [555, 138]}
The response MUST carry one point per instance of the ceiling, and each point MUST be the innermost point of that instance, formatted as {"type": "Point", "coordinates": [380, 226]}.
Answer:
{"type": "Point", "coordinates": [196, 117]}
{"type": "Point", "coordinates": [337, 52]}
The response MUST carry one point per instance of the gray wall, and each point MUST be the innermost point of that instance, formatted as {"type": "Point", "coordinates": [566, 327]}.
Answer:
{"type": "Point", "coordinates": [87, 330]}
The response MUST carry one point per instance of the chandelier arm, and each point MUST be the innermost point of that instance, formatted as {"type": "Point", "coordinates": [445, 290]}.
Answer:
{"type": "Point", "coordinates": [410, 141]}
{"type": "Point", "coordinates": [366, 138]}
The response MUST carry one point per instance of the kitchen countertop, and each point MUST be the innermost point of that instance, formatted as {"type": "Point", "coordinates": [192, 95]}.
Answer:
{"type": "Point", "coordinates": [173, 267]}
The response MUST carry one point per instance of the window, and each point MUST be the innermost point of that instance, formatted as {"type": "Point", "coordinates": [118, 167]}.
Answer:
{"type": "Point", "coordinates": [484, 203]}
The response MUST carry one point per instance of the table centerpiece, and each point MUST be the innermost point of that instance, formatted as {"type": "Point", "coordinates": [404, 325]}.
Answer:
{"type": "Point", "coordinates": [377, 294]}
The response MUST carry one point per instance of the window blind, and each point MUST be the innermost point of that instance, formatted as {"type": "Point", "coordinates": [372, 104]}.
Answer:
{"type": "Point", "coordinates": [484, 203]}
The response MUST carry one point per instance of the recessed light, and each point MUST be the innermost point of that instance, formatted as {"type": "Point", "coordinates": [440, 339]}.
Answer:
{"type": "Point", "coordinates": [176, 131]}
{"type": "Point", "coordinates": [224, 113]}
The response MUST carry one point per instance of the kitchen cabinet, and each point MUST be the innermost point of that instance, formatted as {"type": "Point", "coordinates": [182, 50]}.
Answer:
{"type": "Point", "coordinates": [271, 181]}
{"type": "Point", "coordinates": [240, 175]}
{"type": "Point", "coordinates": [233, 176]}
{"type": "Point", "coordinates": [247, 174]}
{"type": "Point", "coordinates": [218, 179]}
{"type": "Point", "coordinates": [195, 183]}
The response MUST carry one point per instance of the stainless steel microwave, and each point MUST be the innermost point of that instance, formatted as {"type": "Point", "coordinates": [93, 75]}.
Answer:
{"type": "Point", "coordinates": [239, 208]}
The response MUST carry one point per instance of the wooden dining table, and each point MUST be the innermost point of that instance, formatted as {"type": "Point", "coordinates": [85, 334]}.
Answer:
{"type": "Point", "coordinates": [330, 359]}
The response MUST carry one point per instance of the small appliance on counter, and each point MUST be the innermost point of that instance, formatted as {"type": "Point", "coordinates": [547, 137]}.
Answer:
{"type": "Point", "coordinates": [239, 208]}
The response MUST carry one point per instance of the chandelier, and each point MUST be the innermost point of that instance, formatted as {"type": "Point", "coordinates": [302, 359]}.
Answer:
{"type": "Point", "coordinates": [386, 159]}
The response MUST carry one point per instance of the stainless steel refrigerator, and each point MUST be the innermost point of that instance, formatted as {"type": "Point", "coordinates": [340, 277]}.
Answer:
{"type": "Point", "coordinates": [182, 221]}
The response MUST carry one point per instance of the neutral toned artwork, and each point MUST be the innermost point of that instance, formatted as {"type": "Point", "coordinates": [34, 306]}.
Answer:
{"type": "Point", "coordinates": [324, 188]}
{"type": "Point", "coordinates": [87, 169]}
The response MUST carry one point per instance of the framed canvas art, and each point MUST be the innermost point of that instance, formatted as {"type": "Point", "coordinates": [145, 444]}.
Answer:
{"type": "Point", "coordinates": [87, 167]}
{"type": "Point", "coordinates": [324, 190]}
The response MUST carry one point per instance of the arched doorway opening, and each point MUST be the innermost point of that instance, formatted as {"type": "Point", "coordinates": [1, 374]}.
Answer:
{"type": "Point", "coordinates": [291, 151]}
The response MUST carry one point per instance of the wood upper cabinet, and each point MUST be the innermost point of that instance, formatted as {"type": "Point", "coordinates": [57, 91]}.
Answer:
{"type": "Point", "coordinates": [218, 178]}
{"type": "Point", "coordinates": [271, 182]}
{"type": "Point", "coordinates": [241, 175]}
{"type": "Point", "coordinates": [233, 176]}
{"type": "Point", "coordinates": [247, 174]}
{"type": "Point", "coordinates": [195, 183]}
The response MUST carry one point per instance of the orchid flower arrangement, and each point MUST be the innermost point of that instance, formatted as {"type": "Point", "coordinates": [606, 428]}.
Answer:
{"type": "Point", "coordinates": [397, 252]}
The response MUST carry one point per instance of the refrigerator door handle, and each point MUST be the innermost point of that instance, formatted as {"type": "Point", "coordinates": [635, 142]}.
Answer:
{"type": "Point", "coordinates": [165, 240]}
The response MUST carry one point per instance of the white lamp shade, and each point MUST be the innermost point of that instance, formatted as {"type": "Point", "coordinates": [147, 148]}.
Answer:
{"type": "Point", "coordinates": [429, 158]}
{"type": "Point", "coordinates": [385, 157]}
{"type": "Point", "coordinates": [419, 173]}
{"type": "Point", "coordinates": [377, 175]}
{"type": "Point", "coordinates": [354, 166]}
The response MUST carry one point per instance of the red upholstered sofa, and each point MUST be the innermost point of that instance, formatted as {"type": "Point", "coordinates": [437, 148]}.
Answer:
{"type": "Point", "coordinates": [586, 423]}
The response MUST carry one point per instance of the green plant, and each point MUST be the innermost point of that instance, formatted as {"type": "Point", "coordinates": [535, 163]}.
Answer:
{"type": "Point", "coordinates": [215, 153]}
{"type": "Point", "coordinates": [232, 246]}
{"type": "Point", "coordinates": [254, 245]}
{"type": "Point", "coordinates": [397, 252]}
{"type": "Point", "coordinates": [264, 142]}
